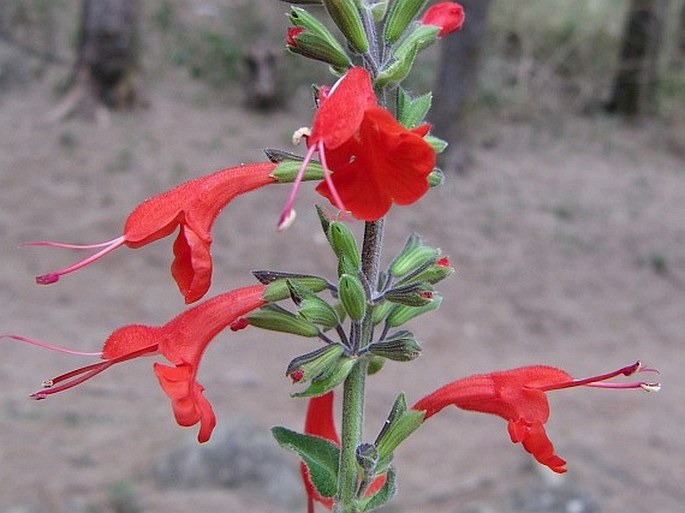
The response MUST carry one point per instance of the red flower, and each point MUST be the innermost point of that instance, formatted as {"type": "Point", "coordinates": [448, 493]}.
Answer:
{"type": "Point", "coordinates": [370, 160]}
{"type": "Point", "coordinates": [182, 341]}
{"type": "Point", "coordinates": [518, 396]}
{"type": "Point", "coordinates": [319, 422]}
{"type": "Point", "coordinates": [193, 207]}
{"type": "Point", "coordinates": [448, 16]}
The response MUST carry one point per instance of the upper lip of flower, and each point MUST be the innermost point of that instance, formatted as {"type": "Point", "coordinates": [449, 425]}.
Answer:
{"type": "Point", "coordinates": [182, 341]}
{"type": "Point", "coordinates": [193, 206]}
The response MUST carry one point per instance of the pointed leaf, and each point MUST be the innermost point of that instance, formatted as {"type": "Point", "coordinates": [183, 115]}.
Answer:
{"type": "Point", "coordinates": [318, 454]}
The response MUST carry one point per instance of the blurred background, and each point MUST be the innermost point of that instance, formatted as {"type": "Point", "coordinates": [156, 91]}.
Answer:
{"type": "Point", "coordinates": [563, 212]}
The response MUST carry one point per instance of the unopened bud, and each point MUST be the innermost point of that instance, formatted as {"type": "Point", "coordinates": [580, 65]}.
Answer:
{"type": "Point", "coordinates": [275, 318]}
{"type": "Point", "coordinates": [381, 311]}
{"type": "Point", "coordinates": [315, 364]}
{"type": "Point", "coordinates": [344, 244]}
{"type": "Point", "coordinates": [413, 294]}
{"type": "Point", "coordinates": [277, 282]}
{"type": "Point", "coordinates": [335, 375]}
{"type": "Point", "coordinates": [400, 347]}
{"type": "Point", "coordinates": [346, 16]}
{"type": "Point", "coordinates": [352, 296]}
{"type": "Point", "coordinates": [310, 38]}
{"type": "Point", "coordinates": [436, 178]}
{"type": "Point", "coordinates": [433, 273]}
{"type": "Point", "coordinates": [367, 457]}
{"type": "Point", "coordinates": [402, 13]}
{"type": "Point", "coordinates": [413, 255]}
{"type": "Point", "coordinates": [401, 314]}
{"type": "Point", "coordinates": [421, 37]}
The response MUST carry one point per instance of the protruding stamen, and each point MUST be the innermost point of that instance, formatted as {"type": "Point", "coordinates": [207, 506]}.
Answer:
{"type": "Point", "coordinates": [331, 186]}
{"type": "Point", "coordinates": [599, 381]}
{"type": "Point", "coordinates": [51, 347]}
{"type": "Point", "coordinates": [286, 215]}
{"type": "Point", "coordinates": [55, 276]}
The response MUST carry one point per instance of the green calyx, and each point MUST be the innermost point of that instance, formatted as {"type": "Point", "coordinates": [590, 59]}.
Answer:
{"type": "Point", "coordinates": [402, 13]}
{"type": "Point", "coordinates": [315, 41]}
{"type": "Point", "coordinates": [315, 365]}
{"type": "Point", "coordinates": [274, 318]}
{"type": "Point", "coordinates": [345, 14]}
{"type": "Point", "coordinates": [400, 347]}
{"type": "Point", "coordinates": [312, 308]}
{"type": "Point", "coordinates": [352, 296]}
{"type": "Point", "coordinates": [286, 171]}
{"type": "Point", "coordinates": [401, 314]}
{"type": "Point", "coordinates": [413, 256]}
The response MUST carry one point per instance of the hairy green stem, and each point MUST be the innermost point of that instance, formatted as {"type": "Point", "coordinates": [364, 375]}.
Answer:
{"type": "Point", "coordinates": [353, 390]}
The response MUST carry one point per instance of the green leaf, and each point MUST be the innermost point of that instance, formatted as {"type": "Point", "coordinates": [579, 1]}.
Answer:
{"type": "Point", "coordinates": [412, 111]}
{"type": "Point", "coordinates": [318, 454]}
{"type": "Point", "coordinates": [384, 495]}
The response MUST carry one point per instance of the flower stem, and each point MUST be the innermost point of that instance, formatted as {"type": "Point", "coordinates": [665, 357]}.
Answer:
{"type": "Point", "coordinates": [353, 390]}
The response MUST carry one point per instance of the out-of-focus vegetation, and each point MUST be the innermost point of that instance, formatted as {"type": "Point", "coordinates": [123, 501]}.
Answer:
{"type": "Point", "coordinates": [541, 56]}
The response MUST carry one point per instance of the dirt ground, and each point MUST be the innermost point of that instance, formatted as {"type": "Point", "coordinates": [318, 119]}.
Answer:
{"type": "Point", "coordinates": [569, 242]}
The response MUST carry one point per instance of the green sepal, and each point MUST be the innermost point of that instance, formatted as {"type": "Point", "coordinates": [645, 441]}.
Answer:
{"type": "Point", "coordinates": [381, 311]}
{"type": "Point", "coordinates": [277, 282]}
{"type": "Point", "coordinates": [273, 317]}
{"type": "Point", "coordinates": [314, 364]}
{"type": "Point", "coordinates": [439, 145]}
{"type": "Point", "coordinates": [344, 243]}
{"type": "Point", "coordinates": [316, 41]}
{"type": "Point", "coordinates": [397, 431]}
{"type": "Point", "coordinates": [331, 379]}
{"type": "Point", "coordinates": [323, 219]}
{"type": "Point", "coordinates": [398, 69]}
{"type": "Point", "coordinates": [383, 496]}
{"type": "Point", "coordinates": [401, 314]}
{"type": "Point", "coordinates": [400, 347]}
{"type": "Point", "coordinates": [311, 307]}
{"type": "Point", "coordinates": [379, 10]}
{"type": "Point", "coordinates": [376, 363]}
{"type": "Point", "coordinates": [319, 455]}
{"type": "Point", "coordinates": [402, 13]}
{"type": "Point", "coordinates": [436, 178]}
{"type": "Point", "coordinates": [413, 294]}
{"type": "Point", "coordinates": [345, 15]}
{"type": "Point", "coordinates": [352, 296]}
{"type": "Point", "coordinates": [412, 111]}
{"type": "Point", "coordinates": [286, 171]}
{"type": "Point", "coordinates": [433, 273]}
{"type": "Point", "coordinates": [412, 256]}
{"type": "Point", "coordinates": [421, 37]}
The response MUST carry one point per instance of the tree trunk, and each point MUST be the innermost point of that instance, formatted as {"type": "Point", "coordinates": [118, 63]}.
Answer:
{"type": "Point", "coordinates": [456, 81]}
{"type": "Point", "coordinates": [105, 69]}
{"type": "Point", "coordinates": [635, 83]}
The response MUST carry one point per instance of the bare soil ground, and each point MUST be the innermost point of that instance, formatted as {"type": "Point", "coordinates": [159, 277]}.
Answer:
{"type": "Point", "coordinates": [568, 238]}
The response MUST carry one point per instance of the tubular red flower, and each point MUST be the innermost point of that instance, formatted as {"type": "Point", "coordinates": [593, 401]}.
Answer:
{"type": "Point", "coordinates": [193, 207]}
{"type": "Point", "coordinates": [518, 396]}
{"type": "Point", "coordinates": [182, 341]}
{"type": "Point", "coordinates": [449, 16]}
{"type": "Point", "coordinates": [370, 160]}
{"type": "Point", "coordinates": [319, 422]}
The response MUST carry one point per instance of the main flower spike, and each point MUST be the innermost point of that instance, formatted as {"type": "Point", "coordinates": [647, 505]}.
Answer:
{"type": "Point", "coordinates": [370, 160]}
{"type": "Point", "coordinates": [182, 341]}
{"type": "Point", "coordinates": [319, 422]}
{"type": "Point", "coordinates": [518, 396]}
{"type": "Point", "coordinates": [193, 207]}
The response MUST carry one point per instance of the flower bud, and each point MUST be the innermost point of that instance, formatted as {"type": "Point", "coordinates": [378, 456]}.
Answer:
{"type": "Point", "coordinates": [446, 16]}
{"type": "Point", "coordinates": [413, 255]}
{"type": "Point", "coordinates": [367, 457]}
{"type": "Point", "coordinates": [401, 314]}
{"type": "Point", "coordinates": [432, 274]}
{"type": "Point", "coordinates": [344, 244]}
{"type": "Point", "coordinates": [335, 375]}
{"type": "Point", "coordinates": [346, 16]}
{"type": "Point", "coordinates": [275, 318]}
{"type": "Point", "coordinates": [352, 296]}
{"type": "Point", "coordinates": [315, 364]}
{"type": "Point", "coordinates": [309, 37]}
{"type": "Point", "coordinates": [400, 347]}
{"type": "Point", "coordinates": [312, 308]}
{"type": "Point", "coordinates": [436, 178]}
{"type": "Point", "coordinates": [402, 13]}
{"type": "Point", "coordinates": [381, 311]}
{"type": "Point", "coordinates": [413, 294]}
